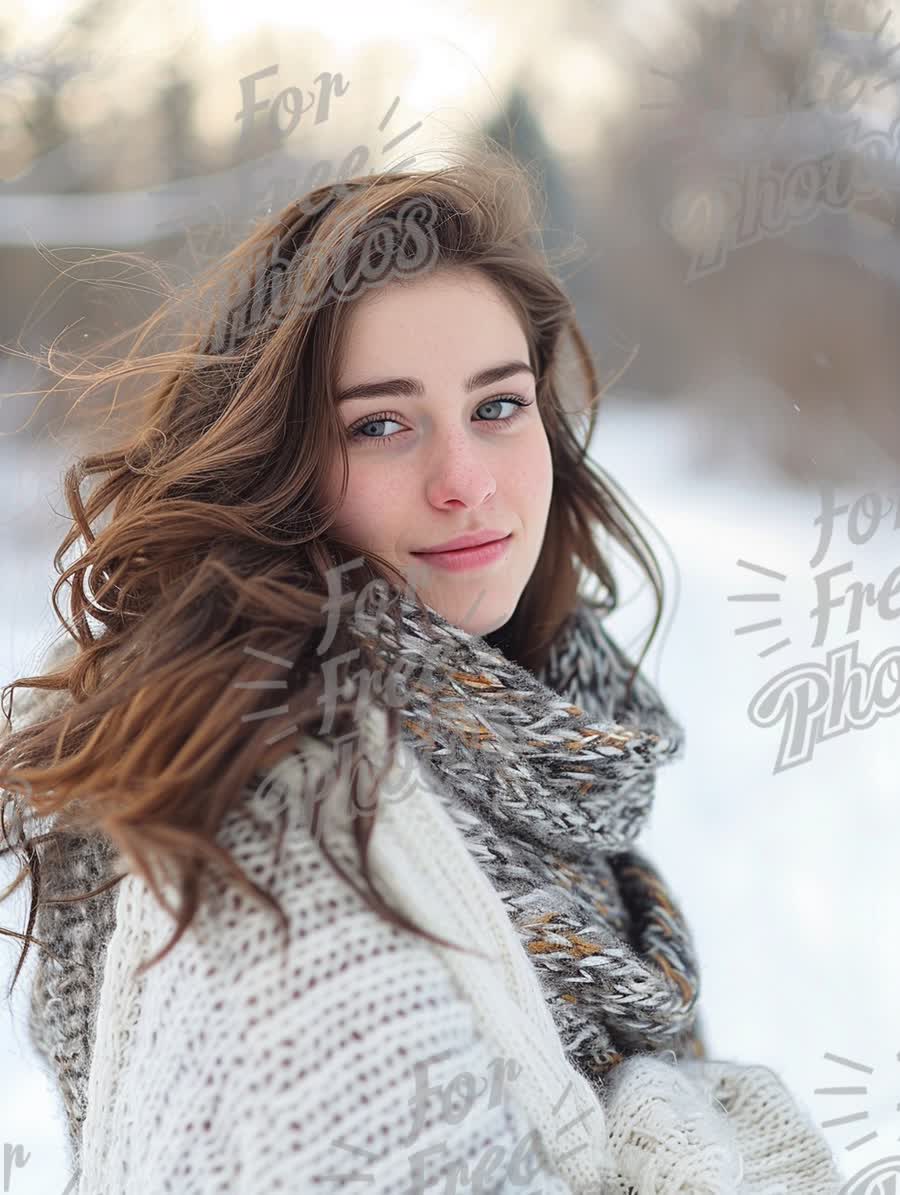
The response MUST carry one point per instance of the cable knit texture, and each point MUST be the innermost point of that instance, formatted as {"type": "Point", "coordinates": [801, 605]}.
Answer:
{"type": "Point", "coordinates": [565, 1056]}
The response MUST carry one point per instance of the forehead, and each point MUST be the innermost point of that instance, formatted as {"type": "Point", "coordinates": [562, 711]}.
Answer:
{"type": "Point", "coordinates": [457, 316]}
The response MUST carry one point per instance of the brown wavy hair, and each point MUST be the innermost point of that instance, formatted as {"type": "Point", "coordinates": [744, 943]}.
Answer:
{"type": "Point", "coordinates": [206, 538]}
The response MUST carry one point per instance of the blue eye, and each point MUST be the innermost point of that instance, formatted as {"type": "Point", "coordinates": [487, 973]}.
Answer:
{"type": "Point", "coordinates": [356, 433]}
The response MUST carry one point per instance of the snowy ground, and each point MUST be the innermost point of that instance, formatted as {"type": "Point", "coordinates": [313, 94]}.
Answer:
{"type": "Point", "coordinates": [788, 878]}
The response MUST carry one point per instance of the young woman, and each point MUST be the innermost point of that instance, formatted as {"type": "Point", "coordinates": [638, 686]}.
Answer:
{"type": "Point", "coordinates": [334, 671]}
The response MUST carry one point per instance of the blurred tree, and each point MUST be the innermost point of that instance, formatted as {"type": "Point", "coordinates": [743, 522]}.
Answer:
{"type": "Point", "coordinates": [518, 129]}
{"type": "Point", "coordinates": [175, 106]}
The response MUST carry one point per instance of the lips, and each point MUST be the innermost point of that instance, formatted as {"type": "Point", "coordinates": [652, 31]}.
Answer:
{"type": "Point", "coordinates": [472, 539]}
{"type": "Point", "coordinates": [481, 555]}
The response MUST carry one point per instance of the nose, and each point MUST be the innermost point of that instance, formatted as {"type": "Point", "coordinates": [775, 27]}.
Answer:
{"type": "Point", "coordinates": [458, 473]}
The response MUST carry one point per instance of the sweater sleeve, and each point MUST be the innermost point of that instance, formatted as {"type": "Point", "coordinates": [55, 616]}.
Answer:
{"type": "Point", "coordinates": [349, 1059]}
{"type": "Point", "coordinates": [712, 1128]}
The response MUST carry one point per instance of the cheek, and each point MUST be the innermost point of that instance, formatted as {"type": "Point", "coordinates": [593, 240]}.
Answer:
{"type": "Point", "coordinates": [532, 474]}
{"type": "Point", "coordinates": [371, 504]}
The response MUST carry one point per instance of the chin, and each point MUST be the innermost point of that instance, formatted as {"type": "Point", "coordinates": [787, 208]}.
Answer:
{"type": "Point", "coordinates": [481, 628]}
{"type": "Point", "coordinates": [487, 617]}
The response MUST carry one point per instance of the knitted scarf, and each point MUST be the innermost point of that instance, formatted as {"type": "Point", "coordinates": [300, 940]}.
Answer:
{"type": "Point", "coordinates": [550, 779]}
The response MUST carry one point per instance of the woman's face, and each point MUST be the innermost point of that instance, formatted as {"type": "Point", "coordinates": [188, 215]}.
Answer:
{"type": "Point", "coordinates": [437, 448]}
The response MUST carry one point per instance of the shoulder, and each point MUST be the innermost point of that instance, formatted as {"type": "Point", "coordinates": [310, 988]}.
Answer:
{"type": "Point", "coordinates": [292, 820]}
{"type": "Point", "coordinates": [236, 1060]}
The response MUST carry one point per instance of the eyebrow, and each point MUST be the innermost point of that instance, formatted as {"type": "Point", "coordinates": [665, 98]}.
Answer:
{"type": "Point", "coordinates": [413, 388]}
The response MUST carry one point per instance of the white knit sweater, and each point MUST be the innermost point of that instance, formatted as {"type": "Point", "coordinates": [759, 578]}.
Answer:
{"type": "Point", "coordinates": [365, 1058]}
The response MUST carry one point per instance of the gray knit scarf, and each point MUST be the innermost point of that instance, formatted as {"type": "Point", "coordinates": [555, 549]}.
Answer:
{"type": "Point", "coordinates": [550, 779]}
